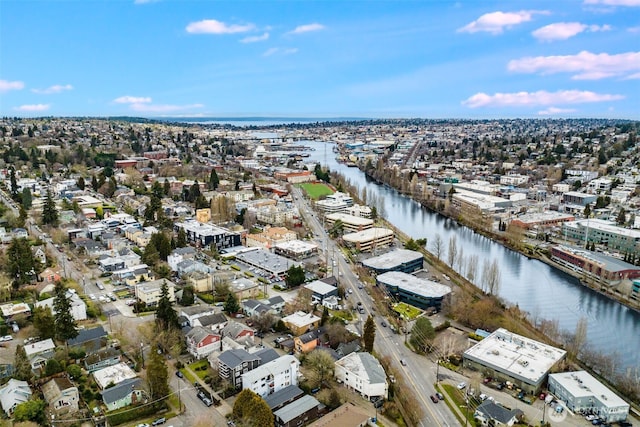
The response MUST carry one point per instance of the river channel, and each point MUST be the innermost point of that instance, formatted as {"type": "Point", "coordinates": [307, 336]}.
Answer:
{"type": "Point", "coordinates": [536, 287]}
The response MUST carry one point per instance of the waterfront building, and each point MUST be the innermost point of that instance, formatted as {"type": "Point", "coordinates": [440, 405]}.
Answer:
{"type": "Point", "coordinates": [595, 265]}
{"type": "Point", "coordinates": [402, 260]}
{"type": "Point", "coordinates": [370, 239]}
{"type": "Point", "coordinates": [350, 223]}
{"type": "Point", "coordinates": [581, 393]}
{"type": "Point", "coordinates": [414, 290]}
{"type": "Point", "coordinates": [605, 233]}
{"type": "Point", "coordinates": [506, 356]}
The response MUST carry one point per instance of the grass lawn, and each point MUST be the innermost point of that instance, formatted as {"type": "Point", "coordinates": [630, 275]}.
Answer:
{"type": "Point", "coordinates": [407, 310]}
{"type": "Point", "coordinates": [200, 363]}
{"type": "Point", "coordinates": [458, 400]}
{"type": "Point", "coordinates": [188, 375]}
{"type": "Point", "coordinates": [315, 191]}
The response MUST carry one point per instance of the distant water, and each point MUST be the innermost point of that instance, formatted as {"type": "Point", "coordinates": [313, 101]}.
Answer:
{"type": "Point", "coordinates": [257, 123]}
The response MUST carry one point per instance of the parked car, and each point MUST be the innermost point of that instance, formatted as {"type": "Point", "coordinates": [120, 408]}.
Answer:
{"type": "Point", "coordinates": [179, 374]}
{"type": "Point", "coordinates": [6, 338]}
{"type": "Point", "coordinates": [462, 386]}
{"type": "Point", "coordinates": [434, 399]}
{"type": "Point", "coordinates": [159, 421]}
{"type": "Point", "coordinates": [440, 396]}
{"type": "Point", "coordinates": [384, 324]}
{"type": "Point", "coordinates": [403, 362]}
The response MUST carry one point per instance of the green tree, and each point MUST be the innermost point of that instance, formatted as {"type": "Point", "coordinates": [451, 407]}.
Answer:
{"type": "Point", "coordinates": [369, 334]}
{"type": "Point", "coordinates": [162, 243]}
{"type": "Point", "coordinates": [188, 297]}
{"type": "Point", "coordinates": [411, 245]}
{"type": "Point", "coordinates": [321, 364]}
{"type": "Point", "coordinates": [231, 304]}
{"type": "Point", "coordinates": [42, 319]}
{"type": "Point", "coordinates": [325, 316]}
{"type": "Point", "coordinates": [587, 211]}
{"type": "Point", "coordinates": [21, 365]}
{"type": "Point", "coordinates": [80, 183]}
{"type": "Point", "coordinates": [622, 217]}
{"type": "Point", "coordinates": [52, 367]}
{"type": "Point", "coordinates": [94, 183]}
{"type": "Point", "coordinates": [157, 375]}
{"type": "Point", "coordinates": [251, 410]}
{"type": "Point", "coordinates": [74, 371]}
{"type": "Point", "coordinates": [214, 181]}
{"type": "Point", "coordinates": [14, 183]}
{"type": "Point", "coordinates": [181, 240]}
{"type": "Point", "coordinates": [64, 324]}
{"type": "Point", "coordinates": [294, 276]}
{"type": "Point", "coordinates": [337, 229]}
{"type": "Point", "coordinates": [27, 198]}
{"type": "Point", "coordinates": [20, 261]}
{"type": "Point", "coordinates": [31, 410]}
{"type": "Point", "coordinates": [49, 210]}
{"type": "Point", "coordinates": [166, 316]}
{"type": "Point", "coordinates": [422, 334]}
{"type": "Point", "coordinates": [150, 256]}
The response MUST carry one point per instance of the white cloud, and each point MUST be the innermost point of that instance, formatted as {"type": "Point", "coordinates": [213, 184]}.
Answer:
{"type": "Point", "coordinates": [280, 51]}
{"type": "Point", "coordinates": [307, 28]}
{"type": "Point", "coordinates": [496, 22]}
{"type": "Point", "coordinates": [633, 76]}
{"type": "Point", "coordinates": [162, 108]}
{"type": "Point", "coordinates": [6, 85]}
{"type": "Point", "coordinates": [614, 2]}
{"type": "Point", "coordinates": [52, 89]}
{"type": "Point", "coordinates": [565, 30]}
{"type": "Point", "coordinates": [634, 29]}
{"type": "Point", "coordinates": [211, 26]}
{"type": "Point", "coordinates": [555, 110]}
{"type": "Point", "coordinates": [32, 107]}
{"type": "Point", "coordinates": [253, 39]}
{"type": "Point", "coordinates": [144, 1]}
{"type": "Point", "coordinates": [132, 100]}
{"type": "Point", "coordinates": [584, 66]}
{"type": "Point", "coordinates": [541, 97]}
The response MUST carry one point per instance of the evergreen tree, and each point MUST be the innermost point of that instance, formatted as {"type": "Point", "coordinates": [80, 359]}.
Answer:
{"type": "Point", "coordinates": [188, 298]}
{"type": "Point", "coordinates": [325, 316]}
{"type": "Point", "coordinates": [21, 365]}
{"type": "Point", "coordinates": [231, 304]}
{"type": "Point", "coordinates": [214, 181]}
{"type": "Point", "coordinates": [150, 255]}
{"type": "Point", "coordinates": [369, 335]}
{"type": "Point", "coordinates": [181, 240]}
{"type": "Point", "coordinates": [49, 210]}
{"type": "Point", "coordinates": [64, 324]}
{"type": "Point", "coordinates": [157, 376]}
{"type": "Point", "coordinates": [14, 183]}
{"type": "Point", "coordinates": [20, 261]}
{"type": "Point", "coordinates": [42, 319]}
{"type": "Point", "coordinates": [422, 334]}
{"type": "Point", "coordinates": [27, 198]}
{"type": "Point", "coordinates": [587, 211]}
{"type": "Point", "coordinates": [166, 316]}
{"type": "Point", "coordinates": [162, 243]}
{"type": "Point", "coordinates": [80, 183]}
{"type": "Point", "coordinates": [622, 217]}
{"type": "Point", "coordinates": [166, 189]}
{"type": "Point", "coordinates": [295, 276]}
{"type": "Point", "coordinates": [94, 183]}
{"type": "Point", "coordinates": [250, 409]}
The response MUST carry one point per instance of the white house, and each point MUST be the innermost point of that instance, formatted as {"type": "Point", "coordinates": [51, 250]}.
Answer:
{"type": "Point", "coordinates": [363, 373]}
{"type": "Point", "coordinates": [12, 394]}
{"type": "Point", "coordinates": [272, 376]}
{"type": "Point", "coordinates": [39, 352]}
{"type": "Point", "coordinates": [78, 307]}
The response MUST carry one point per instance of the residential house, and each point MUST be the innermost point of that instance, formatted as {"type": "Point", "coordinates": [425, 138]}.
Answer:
{"type": "Point", "coordinates": [125, 393]}
{"type": "Point", "coordinates": [149, 292]}
{"type": "Point", "coordinates": [332, 303]}
{"type": "Point", "coordinates": [244, 288]}
{"type": "Point", "coordinates": [238, 331]}
{"type": "Point", "coordinates": [215, 322]}
{"type": "Point", "coordinates": [39, 254]}
{"type": "Point", "coordinates": [307, 342]}
{"type": "Point", "coordinates": [180, 254]}
{"type": "Point", "coordinates": [272, 376]}
{"type": "Point", "coordinates": [252, 307]}
{"type": "Point", "coordinates": [50, 275]}
{"type": "Point", "coordinates": [78, 306]}
{"type": "Point", "coordinates": [489, 413]}
{"type": "Point", "coordinates": [61, 395]}
{"type": "Point", "coordinates": [321, 290]}
{"type": "Point", "coordinates": [201, 282]}
{"type": "Point", "coordinates": [347, 415]}
{"type": "Point", "coordinates": [40, 352]}
{"type": "Point", "coordinates": [363, 373]}
{"type": "Point", "coordinates": [298, 412]}
{"type": "Point", "coordinates": [14, 393]}
{"type": "Point", "coordinates": [101, 359]}
{"type": "Point", "coordinates": [269, 237]}
{"type": "Point", "coordinates": [283, 397]}
{"type": "Point", "coordinates": [193, 312]}
{"type": "Point", "coordinates": [344, 349]}
{"type": "Point", "coordinates": [9, 310]}
{"type": "Point", "coordinates": [276, 303]}
{"type": "Point", "coordinates": [201, 342]}
{"type": "Point", "coordinates": [90, 340]}
{"type": "Point", "coordinates": [113, 375]}
{"type": "Point", "coordinates": [301, 322]}
{"type": "Point", "coordinates": [233, 363]}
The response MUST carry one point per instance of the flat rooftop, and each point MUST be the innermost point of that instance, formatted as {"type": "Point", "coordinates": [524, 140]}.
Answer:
{"type": "Point", "coordinates": [349, 219]}
{"type": "Point", "coordinates": [582, 384]}
{"type": "Point", "coordinates": [296, 246]}
{"type": "Point", "coordinates": [515, 355]}
{"type": "Point", "coordinates": [266, 260]}
{"type": "Point", "coordinates": [413, 284]}
{"type": "Point", "coordinates": [320, 287]}
{"type": "Point", "coordinates": [367, 235]}
{"type": "Point", "coordinates": [392, 259]}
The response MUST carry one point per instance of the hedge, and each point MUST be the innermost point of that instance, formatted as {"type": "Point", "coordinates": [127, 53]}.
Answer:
{"type": "Point", "coordinates": [131, 413]}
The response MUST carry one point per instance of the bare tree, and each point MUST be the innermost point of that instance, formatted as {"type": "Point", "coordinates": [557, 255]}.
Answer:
{"type": "Point", "coordinates": [460, 261]}
{"type": "Point", "coordinates": [472, 267]}
{"type": "Point", "coordinates": [453, 250]}
{"type": "Point", "coordinates": [579, 337]}
{"type": "Point", "coordinates": [437, 245]}
{"type": "Point", "coordinates": [493, 278]}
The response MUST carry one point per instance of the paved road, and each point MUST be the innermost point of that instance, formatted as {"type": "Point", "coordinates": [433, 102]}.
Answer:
{"type": "Point", "coordinates": [419, 373]}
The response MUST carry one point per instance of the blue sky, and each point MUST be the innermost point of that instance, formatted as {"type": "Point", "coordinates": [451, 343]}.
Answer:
{"type": "Point", "coordinates": [432, 59]}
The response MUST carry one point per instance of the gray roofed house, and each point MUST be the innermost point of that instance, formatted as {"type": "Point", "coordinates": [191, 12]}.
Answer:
{"type": "Point", "coordinates": [201, 342]}
{"type": "Point", "coordinates": [14, 393]}
{"type": "Point", "coordinates": [90, 339]}
{"type": "Point", "coordinates": [490, 413]}
{"type": "Point", "coordinates": [215, 322]}
{"type": "Point", "coordinates": [237, 330]}
{"type": "Point", "coordinates": [195, 311]}
{"type": "Point", "coordinates": [101, 359]}
{"type": "Point", "coordinates": [123, 394]}
{"type": "Point", "coordinates": [345, 348]}
{"type": "Point", "coordinates": [233, 363]}
{"type": "Point", "coordinates": [298, 412]}
{"type": "Point", "coordinates": [280, 398]}
{"type": "Point", "coordinates": [363, 373]}
{"type": "Point", "coordinates": [254, 307]}
{"type": "Point", "coordinates": [266, 355]}
{"type": "Point", "coordinates": [276, 303]}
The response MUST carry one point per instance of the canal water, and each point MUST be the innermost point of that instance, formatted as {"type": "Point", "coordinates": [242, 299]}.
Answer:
{"type": "Point", "coordinates": [536, 287]}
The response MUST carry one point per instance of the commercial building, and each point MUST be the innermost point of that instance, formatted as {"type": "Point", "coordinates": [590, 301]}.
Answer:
{"type": "Point", "coordinates": [363, 373]}
{"type": "Point", "coordinates": [296, 249]}
{"type": "Point", "coordinates": [370, 239]}
{"type": "Point", "coordinates": [402, 260]}
{"type": "Point", "coordinates": [578, 198]}
{"type": "Point", "coordinates": [271, 236]}
{"type": "Point", "coordinates": [581, 392]}
{"type": "Point", "coordinates": [605, 233]}
{"type": "Point", "coordinates": [350, 223]}
{"type": "Point", "coordinates": [275, 265]}
{"type": "Point", "coordinates": [272, 376]}
{"type": "Point", "coordinates": [603, 268]}
{"type": "Point", "coordinates": [510, 357]}
{"type": "Point", "coordinates": [203, 235]}
{"type": "Point", "coordinates": [543, 220]}
{"type": "Point", "coordinates": [320, 290]}
{"type": "Point", "coordinates": [413, 290]}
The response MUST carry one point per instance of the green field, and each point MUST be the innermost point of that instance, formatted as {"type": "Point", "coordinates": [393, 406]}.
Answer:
{"type": "Point", "coordinates": [315, 191]}
{"type": "Point", "coordinates": [407, 310]}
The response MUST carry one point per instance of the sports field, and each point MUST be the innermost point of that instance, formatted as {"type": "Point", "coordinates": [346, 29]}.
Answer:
{"type": "Point", "coordinates": [407, 310]}
{"type": "Point", "coordinates": [315, 191]}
